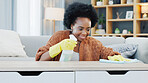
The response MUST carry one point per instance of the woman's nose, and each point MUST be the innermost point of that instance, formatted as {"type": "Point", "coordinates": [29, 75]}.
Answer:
{"type": "Point", "coordinates": [84, 32]}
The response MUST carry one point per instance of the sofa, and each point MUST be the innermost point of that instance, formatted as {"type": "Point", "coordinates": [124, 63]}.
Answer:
{"type": "Point", "coordinates": [32, 43]}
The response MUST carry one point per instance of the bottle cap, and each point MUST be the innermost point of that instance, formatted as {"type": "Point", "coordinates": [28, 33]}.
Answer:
{"type": "Point", "coordinates": [73, 37]}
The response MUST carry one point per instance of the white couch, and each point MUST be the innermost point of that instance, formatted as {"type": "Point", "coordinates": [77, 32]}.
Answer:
{"type": "Point", "coordinates": [32, 43]}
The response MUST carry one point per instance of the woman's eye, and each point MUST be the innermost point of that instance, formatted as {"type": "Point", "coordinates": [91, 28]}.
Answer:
{"type": "Point", "coordinates": [88, 29]}
{"type": "Point", "coordinates": [80, 29]}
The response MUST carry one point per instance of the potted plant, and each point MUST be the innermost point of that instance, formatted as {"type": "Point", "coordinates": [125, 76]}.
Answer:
{"type": "Point", "coordinates": [117, 31]}
{"type": "Point", "coordinates": [101, 21]}
{"type": "Point", "coordinates": [99, 2]}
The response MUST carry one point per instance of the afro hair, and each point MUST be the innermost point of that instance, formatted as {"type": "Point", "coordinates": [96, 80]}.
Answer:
{"type": "Point", "coordinates": [77, 9]}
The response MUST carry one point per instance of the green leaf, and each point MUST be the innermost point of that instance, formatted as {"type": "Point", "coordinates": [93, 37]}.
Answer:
{"type": "Point", "coordinates": [101, 19]}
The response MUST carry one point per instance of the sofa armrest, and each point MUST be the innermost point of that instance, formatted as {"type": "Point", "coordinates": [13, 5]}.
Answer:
{"type": "Point", "coordinates": [142, 51]}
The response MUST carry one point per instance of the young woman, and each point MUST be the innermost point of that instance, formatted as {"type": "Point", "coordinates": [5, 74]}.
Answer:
{"type": "Point", "coordinates": [80, 18]}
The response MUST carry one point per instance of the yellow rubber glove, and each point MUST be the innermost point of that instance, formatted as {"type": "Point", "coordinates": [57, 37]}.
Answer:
{"type": "Point", "coordinates": [66, 44]}
{"type": "Point", "coordinates": [118, 58]}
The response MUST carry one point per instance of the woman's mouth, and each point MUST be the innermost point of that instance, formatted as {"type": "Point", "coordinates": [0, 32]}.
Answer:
{"type": "Point", "coordinates": [82, 37]}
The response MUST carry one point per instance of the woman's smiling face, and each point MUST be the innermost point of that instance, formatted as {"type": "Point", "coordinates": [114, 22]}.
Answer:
{"type": "Point", "coordinates": [81, 28]}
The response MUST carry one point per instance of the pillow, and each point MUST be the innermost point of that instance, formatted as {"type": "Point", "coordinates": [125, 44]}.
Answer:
{"type": "Point", "coordinates": [126, 50]}
{"type": "Point", "coordinates": [10, 44]}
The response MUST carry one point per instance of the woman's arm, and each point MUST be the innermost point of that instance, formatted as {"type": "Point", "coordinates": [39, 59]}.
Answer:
{"type": "Point", "coordinates": [55, 38]}
{"type": "Point", "coordinates": [105, 52]}
{"type": "Point", "coordinates": [45, 57]}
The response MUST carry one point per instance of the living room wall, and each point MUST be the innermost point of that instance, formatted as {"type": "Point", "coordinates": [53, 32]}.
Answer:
{"type": "Point", "coordinates": [8, 16]}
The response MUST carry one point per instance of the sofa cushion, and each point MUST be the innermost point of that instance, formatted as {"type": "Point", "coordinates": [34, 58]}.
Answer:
{"type": "Point", "coordinates": [33, 43]}
{"type": "Point", "coordinates": [126, 50]}
{"type": "Point", "coordinates": [10, 44]}
{"type": "Point", "coordinates": [142, 51]}
{"type": "Point", "coordinates": [110, 40]}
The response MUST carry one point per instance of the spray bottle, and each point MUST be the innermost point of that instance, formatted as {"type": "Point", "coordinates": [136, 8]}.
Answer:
{"type": "Point", "coordinates": [67, 54]}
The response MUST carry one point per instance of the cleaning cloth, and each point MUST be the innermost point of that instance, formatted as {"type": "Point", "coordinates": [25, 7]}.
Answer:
{"type": "Point", "coordinates": [118, 59]}
{"type": "Point", "coordinates": [119, 62]}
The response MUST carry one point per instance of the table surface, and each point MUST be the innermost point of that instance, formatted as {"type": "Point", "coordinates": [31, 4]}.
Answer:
{"type": "Point", "coordinates": [67, 66]}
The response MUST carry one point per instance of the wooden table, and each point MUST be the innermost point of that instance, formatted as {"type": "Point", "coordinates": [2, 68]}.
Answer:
{"type": "Point", "coordinates": [67, 66]}
{"type": "Point", "coordinates": [72, 72]}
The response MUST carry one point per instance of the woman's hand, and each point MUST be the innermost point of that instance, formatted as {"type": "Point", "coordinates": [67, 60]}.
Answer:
{"type": "Point", "coordinates": [66, 44]}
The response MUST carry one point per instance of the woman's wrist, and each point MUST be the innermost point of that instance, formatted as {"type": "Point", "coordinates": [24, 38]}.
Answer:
{"type": "Point", "coordinates": [45, 57]}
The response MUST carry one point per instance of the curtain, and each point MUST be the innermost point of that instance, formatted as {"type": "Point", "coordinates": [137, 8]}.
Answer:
{"type": "Point", "coordinates": [28, 17]}
{"type": "Point", "coordinates": [6, 14]}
